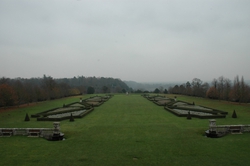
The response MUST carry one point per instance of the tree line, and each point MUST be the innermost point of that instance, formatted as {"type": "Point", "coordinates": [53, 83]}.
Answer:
{"type": "Point", "coordinates": [21, 90]}
{"type": "Point", "coordinates": [221, 89]}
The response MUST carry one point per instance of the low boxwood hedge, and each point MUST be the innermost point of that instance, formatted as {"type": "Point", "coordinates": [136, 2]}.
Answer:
{"type": "Point", "coordinates": [65, 117]}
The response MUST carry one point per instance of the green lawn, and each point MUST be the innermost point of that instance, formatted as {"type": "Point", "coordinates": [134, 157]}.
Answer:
{"type": "Point", "coordinates": [127, 130]}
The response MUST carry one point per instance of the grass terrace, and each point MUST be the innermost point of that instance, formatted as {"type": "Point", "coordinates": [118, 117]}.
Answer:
{"type": "Point", "coordinates": [127, 130]}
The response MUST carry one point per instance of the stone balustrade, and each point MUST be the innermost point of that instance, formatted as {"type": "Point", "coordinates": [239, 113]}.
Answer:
{"type": "Point", "coordinates": [221, 130]}
{"type": "Point", "coordinates": [47, 133]}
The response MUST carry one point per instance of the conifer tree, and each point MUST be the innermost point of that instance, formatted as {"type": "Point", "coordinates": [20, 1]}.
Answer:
{"type": "Point", "coordinates": [189, 115]}
{"type": "Point", "coordinates": [71, 118]}
{"type": "Point", "coordinates": [234, 115]}
{"type": "Point", "coordinates": [27, 117]}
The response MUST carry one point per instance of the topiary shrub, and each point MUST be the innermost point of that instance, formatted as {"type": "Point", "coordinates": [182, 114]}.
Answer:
{"type": "Point", "coordinates": [71, 118]}
{"type": "Point", "coordinates": [189, 115]}
{"type": "Point", "coordinates": [27, 118]}
{"type": "Point", "coordinates": [234, 115]}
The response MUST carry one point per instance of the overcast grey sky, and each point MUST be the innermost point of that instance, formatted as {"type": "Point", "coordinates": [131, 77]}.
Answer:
{"type": "Point", "coordinates": [139, 40]}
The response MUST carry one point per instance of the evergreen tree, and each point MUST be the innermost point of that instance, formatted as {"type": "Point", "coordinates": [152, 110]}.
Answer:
{"type": "Point", "coordinates": [71, 118]}
{"type": "Point", "coordinates": [90, 90]}
{"type": "Point", "coordinates": [165, 91]}
{"type": "Point", "coordinates": [189, 115]}
{"type": "Point", "coordinates": [27, 117]}
{"type": "Point", "coordinates": [156, 90]}
{"type": "Point", "coordinates": [234, 115]}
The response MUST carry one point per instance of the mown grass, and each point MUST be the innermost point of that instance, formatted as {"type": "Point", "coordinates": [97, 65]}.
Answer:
{"type": "Point", "coordinates": [127, 130]}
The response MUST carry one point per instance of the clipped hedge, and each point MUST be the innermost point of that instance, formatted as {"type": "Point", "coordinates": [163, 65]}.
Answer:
{"type": "Point", "coordinates": [193, 115]}
{"type": "Point", "coordinates": [66, 117]}
{"type": "Point", "coordinates": [171, 104]}
{"type": "Point", "coordinates": [70, 108]}
{"type": "Point", "coordinates": [49, 112]}
{"type": "Point", "coordinates": [41, 113]}
{"type": "Point", "coordinates": [212, 111]}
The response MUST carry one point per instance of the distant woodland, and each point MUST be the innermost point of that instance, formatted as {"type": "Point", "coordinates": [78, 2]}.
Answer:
{"type": "Point", "coordinates": [220, 89]}
{"type": "Point", "coordinates": [21, 90]}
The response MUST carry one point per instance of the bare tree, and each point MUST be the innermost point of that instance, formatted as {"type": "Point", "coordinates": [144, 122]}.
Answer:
{"type": "Point", "coordinates": [182, 89]}
{"type": "Point", "coordinates": [214, 83]}
{"type": "Point", "coordinates": [243, 92]}
{"type": "Point", "coordinates": [196, 84]}
{"type": "Point", "coordinates": [49, 84]}
{"type": "Point", "coordinates": [188, 89]}
{"type": "Point", "coordinates": [221, 87]}
{"type": "Point", "coordinates": [205, 87]}
{"type": "Point", "coordinates": [212, 93]}
{"type": "Point", "coordinates": [235, 92]}
{"type": "Point", "coordinates": [227, 89]}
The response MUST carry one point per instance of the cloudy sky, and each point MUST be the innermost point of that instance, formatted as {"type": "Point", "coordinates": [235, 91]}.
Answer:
{"type": "Point", "coordinates": [139, 40]}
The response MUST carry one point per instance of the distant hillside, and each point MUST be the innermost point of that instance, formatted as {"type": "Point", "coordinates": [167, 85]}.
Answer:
{"type": "Point", "coordinates": [148, 86]}
{"type": "Point", "coordinates": [112, 84]}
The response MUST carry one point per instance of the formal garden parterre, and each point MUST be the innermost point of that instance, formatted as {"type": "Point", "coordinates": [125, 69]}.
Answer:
{"type": "Point", "coordinates": [75, 109]}
{"type": "Point", "coordinates": [128, 130]}
{"type": "Point", "coordinates": [67, 111]}
{"type": "Point", "coordinates": [184, 109]}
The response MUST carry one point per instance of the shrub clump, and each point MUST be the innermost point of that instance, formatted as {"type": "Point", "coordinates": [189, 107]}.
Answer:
{"type": "Point", "coordinates": [71, 118]}
{"type": "Point", "coordinates": [189, 115]}
{"type": "Point", "coordinates": [27, 118]}
{"type": "Point", "coordinates": [234, 115]}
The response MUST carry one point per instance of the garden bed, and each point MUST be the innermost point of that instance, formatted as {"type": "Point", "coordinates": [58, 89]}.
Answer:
{"type": "Point", "coordinates": [196, 113]}
{"type": "Point", "coordinates": [64, 116]}
{"type": "Point", "coordinates": [182, 109]}
{"type": "Point", "coordinates": [76, 109]}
